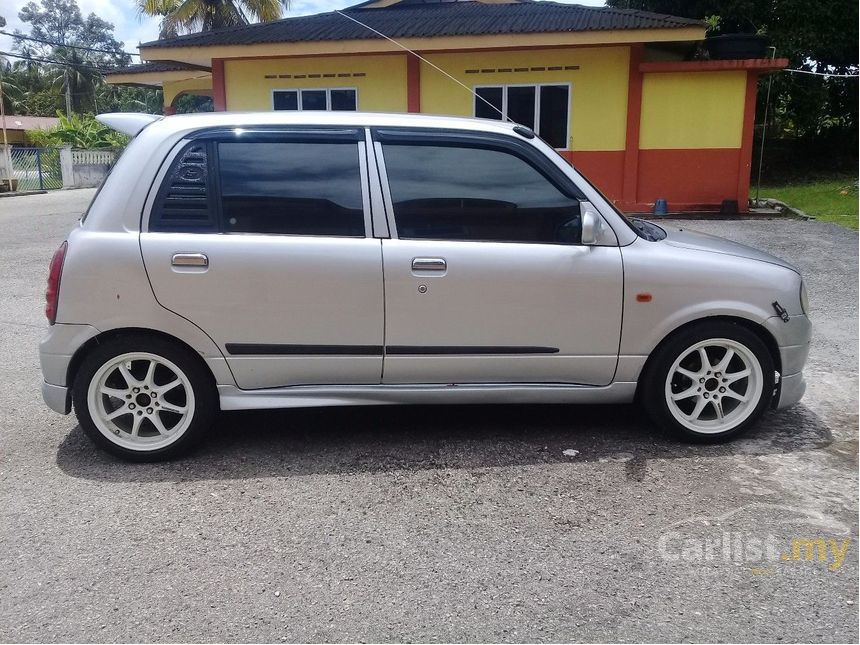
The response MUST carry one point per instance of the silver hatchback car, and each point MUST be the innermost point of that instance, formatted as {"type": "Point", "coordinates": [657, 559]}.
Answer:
{"type": "Point", "coordinates": [275, 260]}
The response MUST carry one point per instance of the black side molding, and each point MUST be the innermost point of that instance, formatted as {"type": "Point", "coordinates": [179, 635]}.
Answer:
{"type": "Point", "coordinates": [411, 350]}
{"type": "Point", "coordinates": [263, 349]}
{"type": "Point", "coordinates": [257, 349]}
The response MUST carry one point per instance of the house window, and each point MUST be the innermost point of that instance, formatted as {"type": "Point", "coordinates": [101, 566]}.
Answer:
{"type": "Point", "coordinates": [332, 99]}
{"type": "Point", "coordinates": [543, 108]}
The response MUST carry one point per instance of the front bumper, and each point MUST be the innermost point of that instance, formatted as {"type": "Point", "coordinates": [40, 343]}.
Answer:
{"type": "Point", "coordinates": [791, 390]}
{"type": "Point", "coordinates": [793, 338]}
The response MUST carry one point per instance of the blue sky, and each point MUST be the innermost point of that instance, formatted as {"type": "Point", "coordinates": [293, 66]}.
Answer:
{"type": "Point", "coordinates": [133, 29]}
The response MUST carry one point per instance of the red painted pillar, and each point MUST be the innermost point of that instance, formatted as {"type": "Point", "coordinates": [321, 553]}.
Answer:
{"type": "Point", "coordinates": [413, 83]}
{"type": "Point", "coordinates": [169, 110]}
{"type": "Point", "coordinates": [745, 160]}
{"type": "Point", "coordinates": [219, 90]}
{"type": "Point", "coordinates": [634, 112]}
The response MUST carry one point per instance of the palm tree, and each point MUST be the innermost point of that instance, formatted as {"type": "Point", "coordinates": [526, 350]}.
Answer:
{"type": "Point", "coordinates": [187, 16]}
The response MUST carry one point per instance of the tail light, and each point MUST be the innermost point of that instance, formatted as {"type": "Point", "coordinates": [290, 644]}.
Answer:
{"type": "Point", "coordinates": [52, 293]}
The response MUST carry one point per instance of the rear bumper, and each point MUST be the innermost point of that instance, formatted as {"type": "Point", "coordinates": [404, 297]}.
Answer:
{"type": "Point", "coordinates": [57, 397]}
{"type": "Point", "coordinates": [55, 353]}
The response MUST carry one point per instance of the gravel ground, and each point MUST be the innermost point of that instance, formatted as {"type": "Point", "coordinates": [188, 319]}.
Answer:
{"type": "Point", "coordinates": [534, 523]}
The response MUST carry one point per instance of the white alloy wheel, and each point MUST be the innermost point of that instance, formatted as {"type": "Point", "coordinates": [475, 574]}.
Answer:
{"type": "Point", "coordinates": [141, 401]}
{"type": "Point", "coordinates": [714, 386]}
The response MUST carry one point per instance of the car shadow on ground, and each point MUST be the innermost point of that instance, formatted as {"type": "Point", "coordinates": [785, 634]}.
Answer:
{"type": "Point", "coordinates": [284, 443]}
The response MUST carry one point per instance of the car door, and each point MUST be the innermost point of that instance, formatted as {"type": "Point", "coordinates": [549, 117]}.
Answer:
{"type": "Point", "coordinates": [262, 239]}
{"type": "Point", "coordinates": [486, 279]}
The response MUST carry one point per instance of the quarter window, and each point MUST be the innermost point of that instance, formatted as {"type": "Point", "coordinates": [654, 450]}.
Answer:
{"type": "Point", "coordinates": [291, 188]}
{"type": "Point", "coordinates": [543, 108]}
{"type": "Point", "coordinates": [184, 202]}
{"type": "Point", "coordinates": [344, 99]}
{"type": "Point", "coordinates": [468, 193]}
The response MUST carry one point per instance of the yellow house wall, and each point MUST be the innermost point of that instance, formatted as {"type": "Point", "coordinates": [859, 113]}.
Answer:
{"type": "Point", "coordinates": [692, 110]}
{"type": "Point", "coordinates": [598, 114]}
{"type": "Point", "coordinates": [382, 88]}
{"type": "Point", "coordinates": [172, 88]}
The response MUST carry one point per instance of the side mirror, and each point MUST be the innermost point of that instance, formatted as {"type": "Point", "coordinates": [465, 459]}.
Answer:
{"type": "Point", "coordinates": [591, 224]}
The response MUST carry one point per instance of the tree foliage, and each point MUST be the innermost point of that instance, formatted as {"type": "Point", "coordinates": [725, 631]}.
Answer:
{"type": "Point", "coordinates": [817, 36]}
{"type": "Point", "coordinates": [188, 16]}
{"type": "Point", "coordinates": [78, 49]}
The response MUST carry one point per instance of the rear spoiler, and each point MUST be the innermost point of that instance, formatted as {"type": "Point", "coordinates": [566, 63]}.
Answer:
{"type": "Point", "coordinates": [129, 123]}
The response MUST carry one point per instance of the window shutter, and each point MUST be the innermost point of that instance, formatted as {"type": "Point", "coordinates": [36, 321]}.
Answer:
{"type": "Point", "coordinates": [183, 202]}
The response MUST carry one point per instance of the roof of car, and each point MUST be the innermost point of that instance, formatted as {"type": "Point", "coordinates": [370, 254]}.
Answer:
{"type": "Point", "coordinates": [198, 121]}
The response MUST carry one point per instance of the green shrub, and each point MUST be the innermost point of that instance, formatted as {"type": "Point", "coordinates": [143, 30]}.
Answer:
{"type": "Point", "coordinates": [79, 131]}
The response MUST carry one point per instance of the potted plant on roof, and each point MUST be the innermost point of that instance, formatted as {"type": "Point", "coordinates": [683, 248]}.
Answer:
{"type": "Point", "coordinates": [726, 40]}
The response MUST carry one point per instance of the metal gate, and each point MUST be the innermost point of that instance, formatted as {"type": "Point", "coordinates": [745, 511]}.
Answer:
{"type": "Point", "coordinates": [37, 168]}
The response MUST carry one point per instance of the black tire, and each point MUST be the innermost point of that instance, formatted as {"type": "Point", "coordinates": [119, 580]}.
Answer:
{"type": "Point", "coordinates": [201, 382]}
{"type": "Point", "coordinates": [652, 388]}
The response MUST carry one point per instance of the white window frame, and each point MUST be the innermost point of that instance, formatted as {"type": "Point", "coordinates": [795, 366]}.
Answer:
{"type": "Point", "coordinates": [537, 87]}
{"type": "Point", "coordinates": [299, 90]}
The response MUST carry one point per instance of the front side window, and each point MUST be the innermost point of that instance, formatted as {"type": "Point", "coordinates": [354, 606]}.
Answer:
{"type": "Point", "coordinates": [543, 108]}
{"type": "Point", "coordinates": [296, 188]}
{"type": "Point", "coordinates": [448, 192]}
{"type": "Point", "coordinates": [343, 99]}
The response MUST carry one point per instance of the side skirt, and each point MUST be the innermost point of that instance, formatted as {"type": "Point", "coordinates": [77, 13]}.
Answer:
{"type": "Point", "coordinates": [308, 396]}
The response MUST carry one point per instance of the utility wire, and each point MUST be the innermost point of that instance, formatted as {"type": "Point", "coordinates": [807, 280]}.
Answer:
{"type": "Point", "coordinates": [421, 58]}
{"type": "Point", "coordinates": [49, 42]}
{"type": "Point", "coordinates": [805, 71]}
{"type": "Point", "coordinates": [57, 62]}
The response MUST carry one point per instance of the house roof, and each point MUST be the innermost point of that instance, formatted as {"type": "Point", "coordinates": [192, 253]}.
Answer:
{"type": "Point", "coordinates": [415, 19]}
{"type": "Point", "coordinates": [14, 122]}
{"type": "Point", "coordinates": [157, 66]}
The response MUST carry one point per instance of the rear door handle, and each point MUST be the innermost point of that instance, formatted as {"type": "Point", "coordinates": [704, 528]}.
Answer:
{"type": "Point", "coordinates": [190, 260]}
{"type": "Point", "coordinates": [438, 265]}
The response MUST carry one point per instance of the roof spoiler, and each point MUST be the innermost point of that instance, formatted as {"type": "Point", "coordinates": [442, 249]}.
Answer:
{"type": "Point", "coordinates": [129, 123]}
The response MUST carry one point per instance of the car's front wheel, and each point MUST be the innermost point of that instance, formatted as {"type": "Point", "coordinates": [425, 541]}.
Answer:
{"type": "Point", "coordinates": [143, 399]}
{"type": "Point", "coordinates": [710, 382]}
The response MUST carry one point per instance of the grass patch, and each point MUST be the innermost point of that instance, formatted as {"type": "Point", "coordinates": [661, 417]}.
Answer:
{"type": "Point", "coordinates": [828, 200]}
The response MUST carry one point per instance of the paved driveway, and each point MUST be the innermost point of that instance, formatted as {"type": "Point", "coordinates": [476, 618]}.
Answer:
{"type": "Point", "coordinates": [534, 523]}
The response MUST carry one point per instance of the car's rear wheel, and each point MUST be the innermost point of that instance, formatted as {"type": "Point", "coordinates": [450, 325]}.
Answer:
{"type": "Point", "coordinates": [710, 382]}
{"type": "Point", "coordinates": [143, 399]}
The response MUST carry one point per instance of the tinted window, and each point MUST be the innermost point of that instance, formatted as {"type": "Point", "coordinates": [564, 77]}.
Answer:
{"type": "Point", "coordinates": [489, 103]}
{"type": "Point", "coordinates": [313, 99]}
{"type": "Point", "coordinates": [521, 105]}
{"type": "Point", "coordinates": [183, 202]}
{"type": "Point", "coordinates": [458, 193]}
{"type": "Point", "coordinates": [543, 108]}
{"type": "Point", "coordinates": [343, 100]}
{"type": "Point", "coordinates": [285, 100]}
{"type": "Point", "coordinates": [553, 115]}
{"type": "Point", "coordinates": [291, 188]}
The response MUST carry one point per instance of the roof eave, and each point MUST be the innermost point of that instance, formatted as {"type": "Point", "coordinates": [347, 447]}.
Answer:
{"type": "Point", "coordinates": [202, 54]}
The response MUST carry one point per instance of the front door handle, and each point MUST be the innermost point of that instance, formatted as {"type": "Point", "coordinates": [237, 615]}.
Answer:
{"type": "Point", "coordinates": [190, 260]}
{"type": "Point", "coordinates": [429, 264]}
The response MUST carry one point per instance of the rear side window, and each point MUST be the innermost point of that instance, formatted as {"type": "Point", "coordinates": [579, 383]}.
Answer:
{"type": "Point", "coordinates": [455, 192]}
{"type": "Point", "coordinates": [291, 188]}
{"type": "Point", "coordinates": [286, 188]}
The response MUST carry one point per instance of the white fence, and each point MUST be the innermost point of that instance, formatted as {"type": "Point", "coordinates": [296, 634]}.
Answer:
{"type": "Point", "coordinates": [93, 157]}
{"type": "Point", "coordinates": [85, 168]}
{"type": "Point", "coordinates": [38, 168]}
